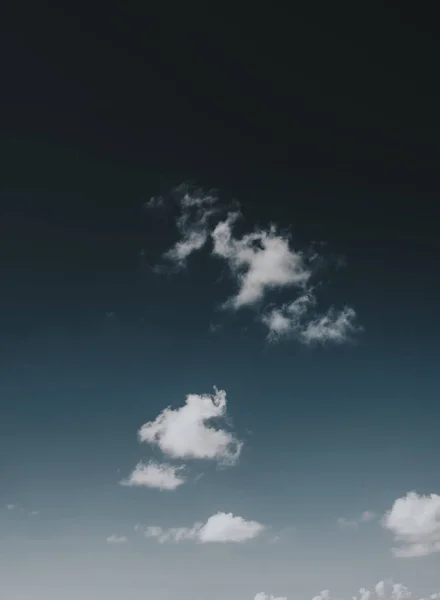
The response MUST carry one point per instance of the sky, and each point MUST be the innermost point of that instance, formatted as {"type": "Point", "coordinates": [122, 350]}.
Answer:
{"type": "Point", "coordinates": [219, 309]}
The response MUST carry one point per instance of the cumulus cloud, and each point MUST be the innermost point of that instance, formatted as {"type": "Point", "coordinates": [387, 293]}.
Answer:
{"type": "Point", "coordinates": [365, 517]}
{"type": "Point", "coordinates": [154, 475]}
{"type": "Point", "coordinates": [221, 527]}
{"type": "Point", "coordinates": [187, 432]}
{"type": "Point", "coordinates": [260, 261]}
{"type": "Point", "coordinates": [10, 506]}
{"type": "Point", "coordinates": [116, 539]}
{"type": "Point", "coordinates": [414, 520]}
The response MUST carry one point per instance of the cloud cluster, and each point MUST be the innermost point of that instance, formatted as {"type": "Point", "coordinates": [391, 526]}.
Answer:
{"type": "Point", "coordinates": [297, 320]}
{"type": "Point", "coordinates": [415, 522]}
{"type": "Point", "coordinates": [383, 590]}
{"type": "Point", "coordinates": [186, 433]}
{"type": "Point", "coordinates": [259, 262]}
{"type": "Point", "coordinates": [221, 527]}
{"type": "Point", "coordinates": [365, 517]}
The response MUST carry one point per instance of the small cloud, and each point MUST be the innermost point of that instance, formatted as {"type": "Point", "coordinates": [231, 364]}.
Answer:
{"type": "Point", "coordinates": [281, 535]}
{"type": "Point", "coordinates": [10, 506]}
{"type": "Point", "coordinates": [415, 522]}
{"type": "Point", "coordinates": [116, 539]}
{"type": "Point", "coordinates": [154, 203]}
{"type": "Point", "coordinates": [196, 211]}
{"type": "Point", "coordinates": [185, 432]}
{"type": "Point", "coordinates": [365, 517]}
{"type": "Point", "coordinates": [220, 528]}
{"type": "Point", "coordinates": [297, 319]}
{"type": "Point", "coordinates": [263, 596]}
{"type": "Point", "coordinates": [215, 328]}
{"type": "Point", "coordinates": [34, 513]}
{"type": "Point", "coordinates": [154, 475]}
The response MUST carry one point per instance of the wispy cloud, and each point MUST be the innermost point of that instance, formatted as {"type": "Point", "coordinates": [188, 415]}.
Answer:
{"type": "Point", "coordinates": [10, 506]}
{"type": "Point", "coordinates": [196, 209]}
{"type": "Point", "coordinates": [263, 596]}
{"type": "Point", "coordinates": [365, 517]}
{"type": "Point", "coordinates": [414, 520]}
{"type": "Point", "coordinates": [116, 539]}
{"type": "Point", "coordinates": [186, 433]}
{"type": "Point", "coordinates": [155, 475]}
{"type": "Point", "coordinates": [220, 528]}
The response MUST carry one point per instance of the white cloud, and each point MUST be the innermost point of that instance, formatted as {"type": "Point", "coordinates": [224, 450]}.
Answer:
{"type": "Point", "coordinates": [415, 522]}
{"type": "Point", "coordinates": [332, 327]}
{"type": "Point", "coordinates": [116, 539]}
{"type": "Point", "coordinates": [34, 513]}
{"type": "Point", "coordinates": [221, 527]}
{"type": "Point", "coordinates": [260, 261]}
{"type": "Point", "coordinates": [185, 432]}
{"type": "Point", "coordinates": [364, 594]}
{"type": "Point", "coordinates": [196, 208]}
{"type": "Point", "coordinates": [296, 319]}
{"type": "Point", "coordinates": [224, 527]}
{"type": "Point", "coordinates": [365, 517]}
{"type": "Point", "coordinates": [154, 475]}
{"type": "Point", "coordinates": [263, 596]}
{"type": "Point", "coordinates": [10, 506]}
{"type": "Point", "coordinates": [173, 534]}
{"type": "Point", "coordinates": [385, 589]}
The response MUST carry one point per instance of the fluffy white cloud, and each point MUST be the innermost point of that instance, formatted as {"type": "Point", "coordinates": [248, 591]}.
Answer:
{"type": "Point", "coordinates": [185, 432]}
{"type": "Point", "coordinates": [116, 539]}
{"type": "Point", "coordinates": [10, 506]}
{"type": "Point", "coordinates": [260, 261]}
{"type": "Point", "coordinates": [221, 527]}
{"type": "Point", "coordinates": [224, 527]}
{"type": "Point", "coordinates": [365, 517]}
{"type": "Point", "coordinates": [154, 475]}
{"type": "Point", "coordinates": [415, 522]}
